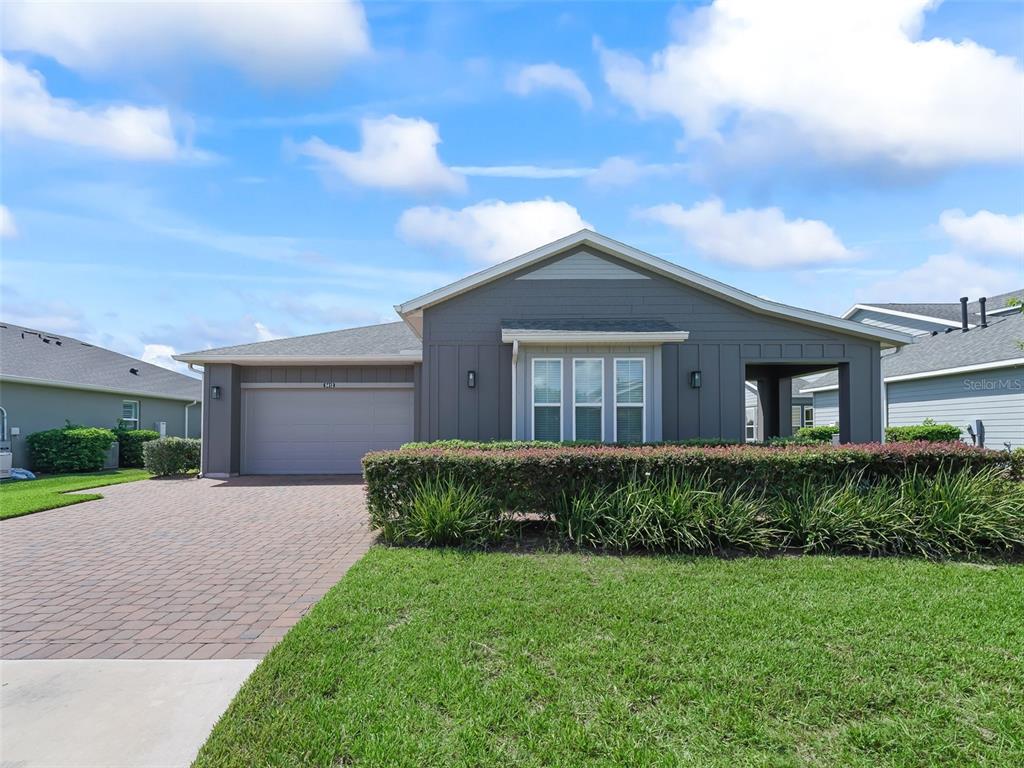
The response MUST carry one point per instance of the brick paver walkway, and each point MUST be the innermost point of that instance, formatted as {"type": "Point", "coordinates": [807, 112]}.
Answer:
{"type": "Point", "coordinates": [176, 569]}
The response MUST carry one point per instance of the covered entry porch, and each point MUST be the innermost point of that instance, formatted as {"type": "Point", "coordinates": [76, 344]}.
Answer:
{"type": "Point", "coordinates": [860, 405]}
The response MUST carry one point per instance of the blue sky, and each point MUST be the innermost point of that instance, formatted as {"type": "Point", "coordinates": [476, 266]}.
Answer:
{"type": "Point", "coordinates": [182, 176]}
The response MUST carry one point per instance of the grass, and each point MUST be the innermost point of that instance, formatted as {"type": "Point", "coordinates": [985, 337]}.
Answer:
{"type": "Point", "coordinates": [23, 497]}
{"type": "Point", "coordinates": [446, 658]}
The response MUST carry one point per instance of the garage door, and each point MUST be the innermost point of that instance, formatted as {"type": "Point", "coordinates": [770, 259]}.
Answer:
{"type": "Point", "coordinates": [321, 431]}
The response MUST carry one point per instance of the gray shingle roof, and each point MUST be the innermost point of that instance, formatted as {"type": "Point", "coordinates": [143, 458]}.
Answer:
{"type": "Point", "coordinates": [948, 310]}
{"type": "Point", "coordinates": [600, 324]}
{"type": "Point", "coordinates": [955, 349]}
{"type": "Point", "coordinates": [392, 339]}
{"type": "Point", "coordinates": [48, 357]}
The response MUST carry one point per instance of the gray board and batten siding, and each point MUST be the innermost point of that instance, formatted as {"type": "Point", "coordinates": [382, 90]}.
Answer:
{"type": "Point", "coordinates": [463, 333]}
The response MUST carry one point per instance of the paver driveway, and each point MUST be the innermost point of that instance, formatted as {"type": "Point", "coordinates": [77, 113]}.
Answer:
{"type": "Point", "coordinates": [178, 569]}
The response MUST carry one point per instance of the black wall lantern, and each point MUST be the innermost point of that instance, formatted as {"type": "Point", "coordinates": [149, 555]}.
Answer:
{"type": "Point", "coordinates": [215, 392]}
{"type": "Point", "coordinates": [695, 379]}
{"type": "Point", "coordinates": [471, 379]}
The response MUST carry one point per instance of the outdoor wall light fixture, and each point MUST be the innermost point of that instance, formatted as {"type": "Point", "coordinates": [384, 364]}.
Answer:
{"type": "Point", "coordinates": [471, 379]}
{"type": "Point", "coordinates": [695, 379]}
{"type": "Point", "coordinates": [215, 392]}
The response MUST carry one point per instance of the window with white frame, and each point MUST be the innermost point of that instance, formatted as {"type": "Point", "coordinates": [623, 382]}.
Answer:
{"type": "Point", "coordinates": [588, 399]}
{"type": "Point", "coordinates": [130, 414]}
{"type": "Point", "coordinates": [797, 414]}
{"type": "Point", "coordinates": [751, 424]}
{"type": "Point", "coordinates": [629, 400]}
{"type": "Point", "coordinates": [808, 416]}
{"type": "Point", "coordinates": [547, 399]}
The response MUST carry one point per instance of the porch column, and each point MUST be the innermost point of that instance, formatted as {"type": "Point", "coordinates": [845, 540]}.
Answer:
{"type": "Point", "coordinates": [768, 402]}
{"type": "Point", "coordinates": [784, 396]}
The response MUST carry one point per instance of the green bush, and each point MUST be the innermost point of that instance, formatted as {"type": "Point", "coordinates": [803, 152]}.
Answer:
{"type": "Point", "coordinates": [444, 512]}
{"type": "Point", "coordinates": [514, 445]}
{"type": "Point", "coordinates": [822, 434]}
{"type": "Point", "coordinates": [171, 455]}
{"type": "Point", "coordinates": [70, 449]}
{"type": "Point", "coordinates": [130, 442]}
{"type": "Point", "coordinates": [929, 432]}
{"type": "Point", "coordinates": [935, 500]}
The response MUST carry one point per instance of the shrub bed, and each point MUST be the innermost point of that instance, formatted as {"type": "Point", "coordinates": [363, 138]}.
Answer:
{"type": "Point", "coordinates": [171, 455]}
{"type": "Point", "coordinates": [130, 442]}
{"type": "Point", "coordinates": [932, 433]}
{"type": "Point", "coordinates": [70, 449]}
{"type": "Point", "coordinates": [931, 499]}
{"type": "Point", "coordinates": [820, 434]}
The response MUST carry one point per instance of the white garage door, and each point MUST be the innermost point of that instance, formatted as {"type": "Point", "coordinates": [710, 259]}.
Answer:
{"type": "Point", "coordinates": [321, 431]}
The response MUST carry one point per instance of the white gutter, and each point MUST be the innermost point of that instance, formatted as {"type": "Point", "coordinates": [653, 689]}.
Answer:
{"type": "Point", "coordinates": [88, 387]}
{"type": "Point", "coordinates": [199, 357]}
{"type": "Point", "coordinates": [907, 315]}
{"type": "Point", "coordinates": [526, 335]}
{"type": "Point", "coordinates": [515, 361]}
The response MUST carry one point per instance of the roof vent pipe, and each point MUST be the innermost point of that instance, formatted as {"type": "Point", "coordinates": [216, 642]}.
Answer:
{"type": "Point", "coordinates": [963, 313]}
{"type": "Point", "coordinates": [984, 320]}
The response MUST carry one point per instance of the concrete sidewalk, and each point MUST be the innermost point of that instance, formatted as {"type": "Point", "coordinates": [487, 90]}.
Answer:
{"type": "Point", "coordinates": [112, 713]}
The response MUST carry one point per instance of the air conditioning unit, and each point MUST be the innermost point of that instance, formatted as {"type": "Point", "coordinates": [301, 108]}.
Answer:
{"type": "Point", "coordinates": [6, 457]}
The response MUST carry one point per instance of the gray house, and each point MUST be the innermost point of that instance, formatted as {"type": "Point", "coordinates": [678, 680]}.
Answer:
{"type": "Point", "coordinates": [582, 339]}
{"type": "Point", "coordinates": [959, 376]}
{"type": "Point", "coordinates": [47, 379]}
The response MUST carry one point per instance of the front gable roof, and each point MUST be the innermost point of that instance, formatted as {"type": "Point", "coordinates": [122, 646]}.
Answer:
{"type": "Point", "coordinates": [412, 311]}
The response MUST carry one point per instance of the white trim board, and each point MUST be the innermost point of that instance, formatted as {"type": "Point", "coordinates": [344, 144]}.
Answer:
{"type": "Point", "coordinates": [330, 385]}
{"type": "Point", "coordinates": [993, 366]}
{"type": "Point", "coordinates": [530, 336]}
{"type": "Point", "coordinates": [411, 310]}
{"type": "Point", "coordinates": [285, 360]}
{"type": "Point", "coordinates": [906, 315]}
{"type": "Point", "coordinates": [96, 388]}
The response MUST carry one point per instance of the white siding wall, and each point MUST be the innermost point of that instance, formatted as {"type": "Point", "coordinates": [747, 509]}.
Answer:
{"type": "Point", "coordinates": [826, 408]}
{"type": "Point", "coordinates": [995, 397]}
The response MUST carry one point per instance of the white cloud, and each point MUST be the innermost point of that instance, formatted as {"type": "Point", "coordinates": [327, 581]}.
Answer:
{"type": "Point", "coordinates": [623, 171]}
{"type": "Point", "coordinates": [7, 226]}
{"type": "Point", "coordinates": [493, 230]}
{"type": "Point", "coordinates": [396, 153]}
{"type": "Point", "coordinates": [161, 354]}
{"type": "Point", "coordinates": [550, 77]}
{"type": "Point", "coordinates": [273, 42]}
{"type": "Point", "coordinates": [985, 232]}
{"type": "Point", "coordinates": [848, 81]}
{"type": "Point", "coordinates": [944, 278]}
{"type": "Point", "coordinates": [265, 334]}
{"type": "Point", "coordinates": [134, 133]}
{"type": "Point", "coordinates": [759, 238]}
{"type": "Point", "coordinates": [522, 171]}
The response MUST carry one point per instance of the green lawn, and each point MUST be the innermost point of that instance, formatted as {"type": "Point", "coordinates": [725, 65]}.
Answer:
{"type": "Point", "coordinates": [23, 497]}
{"type": "Point", "coordinates": [441, 658]}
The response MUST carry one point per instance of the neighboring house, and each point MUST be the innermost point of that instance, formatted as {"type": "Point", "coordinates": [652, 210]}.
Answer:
{"type": "Point", "coordinates": [48, 379]}
{"type": "Point", "coordinates": [584, 338]}
{"type": "Point", "coordinates": [955, 377]}
{"type": "Point", "coordinates": [923, 319]}
{"type": "Point", "coordinates": [801, 409]}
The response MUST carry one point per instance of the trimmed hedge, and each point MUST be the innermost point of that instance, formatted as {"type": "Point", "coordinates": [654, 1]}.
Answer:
{"type": "Point", "coordinates": [130, 442]}
{"type": "Point", "coordinates": [70, 449]}
{"type": "Point", "coordinates": [936, 500]}
{"type": "Point", "coordinates": [171, 455]}
{"type": "Point", "coordinates": [932, 433]}
{"type": "Point", "coordinates": [534, 479]}
{"type": "Point", "coordinates": [515, 445]}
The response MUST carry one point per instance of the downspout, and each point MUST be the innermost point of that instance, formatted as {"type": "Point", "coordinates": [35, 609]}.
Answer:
{"type": "Point", "coordinates": [187, 406]}
{"type": "Point", "coordinates": [202, 442]}
{"type": "Point", "coordinates": [515, 360]}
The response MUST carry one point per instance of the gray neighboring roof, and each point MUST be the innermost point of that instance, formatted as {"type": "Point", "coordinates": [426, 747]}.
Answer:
{"type": "Point", "coordinates": [956, 349]}
{"type": "Point", "coordinates": [387, 340]}
{"type": "Point", "coordinates": [798, 385]}
{"type": "Point", "coordinates": [947, 310]}
{"type": "Point", "coordinates": [45, 358]}
{"type": "Point", "coordinates": [598, 324]}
